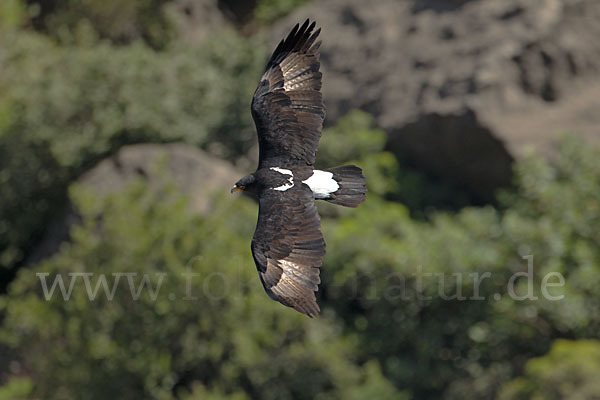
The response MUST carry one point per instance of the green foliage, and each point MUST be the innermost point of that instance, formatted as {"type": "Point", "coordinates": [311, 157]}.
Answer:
{"type": "Point", "coordinates": [555, 215]}
{"type": "Point", "coordinates": [62, 108]}
{"type": "Point", "coordinates": [123, 22]}
{"type": "Point", "coordinates": [267, 11]}
{"type": "Point", "coordinates": [16, 389]}
{"type": "Point", "coordinates": [569, 371]}
{"type": "Point", "coordinates": [230, 338]}
{"type": "Point", "coordinates": [12, 14]}
{"type": "Point", "coordinates": [468, 348]}
{"type": "Point", "coordinates": [356, 139]}
{"type": "Point", "coordinates": [120, 21]}
{"type": "Point", "coordinates": [354, 136]}
{"type": "Point", "coordinates": [199, 391]}
{"type": "Point", "coordinates": [400, 319]}
{"type": "Point", "coordinates": [384, 333]}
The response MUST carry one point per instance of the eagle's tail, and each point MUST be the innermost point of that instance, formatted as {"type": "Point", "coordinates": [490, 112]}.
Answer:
{"type": "Point", "coordinates": [352, 186]}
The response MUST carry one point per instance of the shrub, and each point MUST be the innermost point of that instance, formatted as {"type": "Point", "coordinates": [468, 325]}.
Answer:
{"type": "Point", "coordinates": [231, 339]}
{"type": "Point", "coordinates": [64, 108]}
{"type": "Point", "coordinates": [120, 21]}
{"type": "Point", "coordinates": [569, 371]}
{"type": "Point", "coordinates": [469, 348]}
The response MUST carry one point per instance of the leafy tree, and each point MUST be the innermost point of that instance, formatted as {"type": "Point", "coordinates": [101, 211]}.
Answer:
{"type": "Point", "coordinates": [355, 138]}
{"type": "Point", "coordinates": [63, 108]}
{"type": "Point", "coordinates": [16, 389]}
{"type": "Point", "coordinates": [569, 371]}
{"type": "Point", "coordinates": [433, 344]}
{"type": "Point", "coordinates": [388, 329]}
{"type": "Point", "coordinates": [231, 339]}
{"type": "Point", "coordinates": [267, 11]}
{"type": "Point", "coordinates": [120, 21]}
{"type": "Point", "coordinates": [12, 15]}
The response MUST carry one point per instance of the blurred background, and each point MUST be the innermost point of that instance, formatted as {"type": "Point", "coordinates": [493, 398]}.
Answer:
{"type": "Point", "coordinates": [123, 124]}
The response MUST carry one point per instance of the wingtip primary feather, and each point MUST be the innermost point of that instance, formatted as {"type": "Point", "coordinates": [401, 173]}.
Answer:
{"type": "Point", "coordinates": [315, 48]}
{"type": "Point", "coordinates": [305, 25]}
{"type": "Point", "coordinates": [293, 32]}
{"type": "Point", "coordinates": [299, 39]}
{"type": "Point", "coordinates": [306, 47]}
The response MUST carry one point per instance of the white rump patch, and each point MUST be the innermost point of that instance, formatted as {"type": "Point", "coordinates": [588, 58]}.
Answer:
{"type": "Point", "coordinates": [322, 184]}
{"type": "Point", "coordinates": [289, 184]}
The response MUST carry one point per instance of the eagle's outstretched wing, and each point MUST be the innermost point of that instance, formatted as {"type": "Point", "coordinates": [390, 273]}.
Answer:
{"type": "Point", "coordinates": [288, 247]}
{"type": "Point", "coordinates": [287, 106]}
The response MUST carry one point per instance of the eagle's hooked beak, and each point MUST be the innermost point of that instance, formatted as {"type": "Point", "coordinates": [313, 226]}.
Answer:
{"type": "Point", "coordinates": [236, 187]}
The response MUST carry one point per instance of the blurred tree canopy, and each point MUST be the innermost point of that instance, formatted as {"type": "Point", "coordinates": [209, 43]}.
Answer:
{"type": "Point", "coordinates": [383, 333]}
{"type": "Point", "coordinates": [119, 21]}
{"type": "Point", "coordinates": [269, 10]}
{"type": "Point", "coordinates": [62, 108]}
{"type": "Point", "coordinates": [415, 286]}
{"type": "Point", "coordinates": [229, 336]}
{"type": "Point", "coordinates": [569, 371]}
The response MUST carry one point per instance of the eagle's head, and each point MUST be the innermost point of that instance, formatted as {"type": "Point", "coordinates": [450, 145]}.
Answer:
{"type": "Point", "coordinates": [247, 183]}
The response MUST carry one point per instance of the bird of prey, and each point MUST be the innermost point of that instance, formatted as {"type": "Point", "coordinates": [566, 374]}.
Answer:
{"type": "Point", "coordinates": [288, 111]}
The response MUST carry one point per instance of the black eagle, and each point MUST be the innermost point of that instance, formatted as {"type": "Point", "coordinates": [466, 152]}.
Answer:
{"type": "Point", "coordinates": [288, 111]}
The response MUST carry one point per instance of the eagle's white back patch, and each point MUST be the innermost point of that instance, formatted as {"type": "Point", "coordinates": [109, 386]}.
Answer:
{"type": "Point", "coordinates": [287, 185]}
{"type": "Point", "coordinates": [282, 171]}
{"type": "Point", "coordinates": [322, 184]}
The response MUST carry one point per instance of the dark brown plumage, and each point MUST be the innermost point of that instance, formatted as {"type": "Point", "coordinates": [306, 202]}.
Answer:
{"type": "Point", "coordinates": [287, 107]}
{"type": "Point", "coordinates": [288, 247]}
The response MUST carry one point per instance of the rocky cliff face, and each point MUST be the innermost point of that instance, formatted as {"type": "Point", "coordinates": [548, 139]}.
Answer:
{"type": "Point", "coordinates": [463, 87]}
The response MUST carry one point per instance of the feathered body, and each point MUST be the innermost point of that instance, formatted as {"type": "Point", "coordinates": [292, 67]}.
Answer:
{"type": "Point", "coordinates": [288, 111]}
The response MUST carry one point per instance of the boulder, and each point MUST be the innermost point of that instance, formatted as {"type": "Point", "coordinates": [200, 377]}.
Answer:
{"type": "Point", "coordinates": [195, 172]}
{"type": "Point", "coordinates": [463, 87]}
{"type": "Point", "coordinates": [195, 21]}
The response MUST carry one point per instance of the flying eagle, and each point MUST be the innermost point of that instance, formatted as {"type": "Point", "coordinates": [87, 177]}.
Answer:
{"type": "Point", "coordinates": [288, 111]}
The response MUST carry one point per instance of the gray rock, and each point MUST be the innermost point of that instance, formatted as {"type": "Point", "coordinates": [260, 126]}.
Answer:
{"type": "Point", "coordinates": [463, 87]}
{"type": "Point", "coordinates": [196, 173]}
{"type": "Point", "coordinates": [194, 20]}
